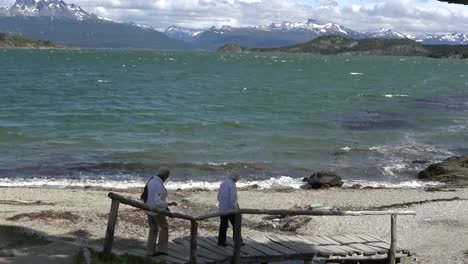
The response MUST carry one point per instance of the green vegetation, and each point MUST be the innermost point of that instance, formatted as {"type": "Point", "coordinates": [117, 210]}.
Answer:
{"type": "Point", "coordinates": [337, 45]}
{"type": "Point", "coordinates": [9, 41]}
{"type": "Point", "coordinates": [448, 51]}
{"type": "Point", "coordinates": [98, 258]}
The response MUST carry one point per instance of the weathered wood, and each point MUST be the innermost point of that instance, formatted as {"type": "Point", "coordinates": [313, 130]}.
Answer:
{"type": "Point", "coordinates": [193, 241]}
{"type": "Point", "coordinates": [261, 247]}
{"type": "Point", "coordinates": [318, 240]}
{"type": "Point", "coordinates": [270, 242]}
{"type": "Point", "coordinates": [167, 259]}
{"type": "Point", "coordinates": [237, 238]}
{"type": "Point", "coordinates": [393, 240]}
{"type": "Point", "coordinates": [286, 212]}
{"type": "Point", "coordinates": [111, 222]}
{"type": "Point", "coordinates": [306, 249]}
{"type": "Point", "coordinates": [143, 206]}
{"type": "Point", "coordinates": [354, 238]}
{"type": "Point", "coordinates": [202, 254]}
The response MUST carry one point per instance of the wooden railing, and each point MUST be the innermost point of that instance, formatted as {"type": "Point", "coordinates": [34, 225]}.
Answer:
{"type": "Point", "coordinates": [117, 199]}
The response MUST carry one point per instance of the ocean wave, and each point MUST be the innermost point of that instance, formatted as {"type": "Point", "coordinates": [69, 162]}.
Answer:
{"type": "Point", "coordinates": [395, 95]}
{"type": "Point", "coordinates": [269, 184]}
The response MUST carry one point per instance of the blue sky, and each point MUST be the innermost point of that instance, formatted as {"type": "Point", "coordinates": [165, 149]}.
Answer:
{"type": "Point", "coordinates": [406, 16]}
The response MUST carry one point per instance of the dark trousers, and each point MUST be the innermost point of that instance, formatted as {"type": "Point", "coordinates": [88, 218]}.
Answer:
{"type": "Point", "coordinates": [223, 227]}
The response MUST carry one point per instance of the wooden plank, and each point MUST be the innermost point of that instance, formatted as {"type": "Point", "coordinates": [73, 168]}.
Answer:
{"type": "Point", "coordinates": [369, 237]}
{"type": "Point", "coordinates": [289, 253]}
{"type": "Point", "coordinates": [202, 252]}
{"type": "Point", "coordinates": [366, 250]}
{"type": "Point", "coordinates": [184, 245]}
{"type": "Point", "coordinates": [355, 238]}
{"type": "Point", "coordinates": [111, 222]}
{"type": "Point", "coordinates": [393, 240]}
{"type": "Point", "coordinates": [266, 250]}
{"type": "Point", "coordinates": [193, 241]}
{"type": "Point", "coordinates": [211, 242]}
{"type": "Point", "coordinates": [343, 240]}
{"type": "Point", "coordinates": [178, 249]}
{"type": "Point", "coordinates": [202, 242]}
{"type": "Point", "coordinates": [351, 250]}
{"type": "Point", "coordinates": [295, 243]}
{"type": "Point", "coordinates": [330, 240]}
{"type": "Point", "coordinates": [316, 240]}
{"type": "Point", "coordinates": [237, 238]}
{"type": "Point", "coordinates": [167, 259]}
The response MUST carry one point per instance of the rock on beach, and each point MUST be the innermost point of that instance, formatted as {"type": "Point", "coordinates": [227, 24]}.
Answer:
{"type": "Point", "coordinates": [323, 179]}
{"type": "Point", "coordinates": [452, 171]}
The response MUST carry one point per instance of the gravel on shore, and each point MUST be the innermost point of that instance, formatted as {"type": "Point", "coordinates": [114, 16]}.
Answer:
{"type": "Point", "coordinates": [437, 234]}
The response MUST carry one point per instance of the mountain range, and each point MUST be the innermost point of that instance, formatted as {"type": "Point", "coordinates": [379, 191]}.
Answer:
{"type": "Point", "coordinates": [289, 33]}
{"type": "Point", "coordinates": [69, 24]}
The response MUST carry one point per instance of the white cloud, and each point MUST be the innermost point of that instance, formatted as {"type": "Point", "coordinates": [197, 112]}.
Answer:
{"type": "Point", "coordinates": [411, 16]}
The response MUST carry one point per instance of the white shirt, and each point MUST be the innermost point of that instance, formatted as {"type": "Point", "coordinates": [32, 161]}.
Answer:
{"type": "Point", "coordinates": [157, 194]}
{"type": "Point", "coordinates": [227, 196]}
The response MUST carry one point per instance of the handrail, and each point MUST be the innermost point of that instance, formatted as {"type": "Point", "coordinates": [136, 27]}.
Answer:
{"type": "Point", "coordinates": [282, 212]}
{"type": "Point", "coordinates": [117, 199]}
{"type": "Point", "coordinates": [145, 207]}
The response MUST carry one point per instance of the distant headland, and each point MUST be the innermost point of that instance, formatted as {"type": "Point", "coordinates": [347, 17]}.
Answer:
{"type": "Point", "coordinates": [338, 45]}
{"type": "Point", "coordinates": [11, 41]}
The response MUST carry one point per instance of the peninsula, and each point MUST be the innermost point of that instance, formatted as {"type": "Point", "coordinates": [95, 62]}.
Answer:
{"type": "Point", "coordinates": [337, 45]}
{"type": "Point", "coordinates": [11, 41]}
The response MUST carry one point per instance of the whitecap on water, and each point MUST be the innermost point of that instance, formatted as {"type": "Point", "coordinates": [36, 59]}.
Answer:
{"type": "Point", "coordinates": [395, 95]}
{"type": "Point", "coordinates": [102, 81]}
{"type": "Point", "coordinates": [356, 73]}
{"type": "Point", "coordinates": [272, 183]}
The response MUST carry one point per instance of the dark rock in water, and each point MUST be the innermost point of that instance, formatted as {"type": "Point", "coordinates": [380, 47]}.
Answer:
{"type": "Point", "coordinates": [452, 171]}
{"type": "Point", "coordinates": [420, 161]}
{"type": "Point", "coordinates": [371, 120]}
{"type": "Point", "coordinates": [324, 179]}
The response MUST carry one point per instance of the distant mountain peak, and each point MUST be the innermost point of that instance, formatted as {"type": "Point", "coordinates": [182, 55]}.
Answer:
{"type": "Point", "coordinates": [47, 8]}
{"type": "Point", "coordinates": [386, 33]}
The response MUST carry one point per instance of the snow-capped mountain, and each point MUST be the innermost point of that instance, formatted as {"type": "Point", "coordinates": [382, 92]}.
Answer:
{"type": "Point", "coordinates": [70, 25]}
{"type": "Point", "coordinates": [47, 8]}
{"type": "Point", "coordinates": [186, 34]}
{"type": "Point", "coordinates": [310, 25]}
{"type": "Point", "coordinates": [385, 33]}
{"type": "Point", "coordinates": [447, 39]}
{"type": "Point", "coordinates": [271, 35]}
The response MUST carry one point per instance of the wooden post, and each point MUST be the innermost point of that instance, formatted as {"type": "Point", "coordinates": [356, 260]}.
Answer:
{"type": "Point", "coordinates": [193, 241]}
{"type": "Point", "coordinates": [393, 239]}
{"type": "Point", "coordinates": [237, 239]}
{"type": "Point", "coordinates": [111, 227]}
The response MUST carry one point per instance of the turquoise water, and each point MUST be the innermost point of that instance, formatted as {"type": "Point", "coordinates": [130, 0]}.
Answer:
{"type": "Point", "coordinates": [120, 114]}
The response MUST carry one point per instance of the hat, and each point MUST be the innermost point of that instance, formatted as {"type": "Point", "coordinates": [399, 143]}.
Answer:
{"type": "Point", "coordinates": [163, 172]}
{"type": "Point", "coordinates": [234, 176]}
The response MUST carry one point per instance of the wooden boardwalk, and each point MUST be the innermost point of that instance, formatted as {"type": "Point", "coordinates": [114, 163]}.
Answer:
{"type": "Point", "coordinates": [276, 247]}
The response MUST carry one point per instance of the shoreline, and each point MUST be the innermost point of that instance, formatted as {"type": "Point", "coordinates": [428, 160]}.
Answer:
{"type": "Point", "coordinates": [80, 215]}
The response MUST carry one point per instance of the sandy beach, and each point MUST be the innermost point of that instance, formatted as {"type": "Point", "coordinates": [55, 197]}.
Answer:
{"type": "Point", "coordinates": [437, 234]}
